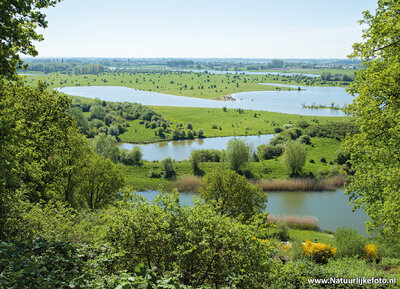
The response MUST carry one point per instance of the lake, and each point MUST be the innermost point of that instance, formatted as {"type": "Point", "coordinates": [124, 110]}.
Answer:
{"type": "Point", "coordinates": [181, 149]}
{"type": "Point", "coordinates": [276, 101]}
{"type": "Point", "coordinates": [331, 208]}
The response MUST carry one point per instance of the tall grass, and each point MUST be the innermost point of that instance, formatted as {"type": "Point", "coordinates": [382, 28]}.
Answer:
{"type": "Point", "coordinates": [188, 183]}
{"type": "Point", "coordinates": [325, 184]}
{"type": "Point", "coordinates": [296, 222]}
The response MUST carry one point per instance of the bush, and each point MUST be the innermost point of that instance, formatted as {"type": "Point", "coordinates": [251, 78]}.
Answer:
{"type": "Point", "coordinates": [198, 244]}
{"type": "Point", "coordinates": [371, 253]}
{"type": "Point", "coordinates": [238, 153]}
{"type": "Point", "coordinates": [305, 139]}
{"type": "Point", "coordinates": [318, 252]}
{"type": "Point", "coordinates": [154, 174]}
{"type": "Point", "coordinates": [278, 129]}
{"type": "Point", "coordinates": [295, 157]}
{"type": "Point", "coordinates": [41, 264]}
{"type": "Point", "coordinates": [232, 194]}
{"type": "Point", "coordinates": [349, 242]}
{"type": "Point", "coordinates": [267, 152]}
{"type": "Point", "coordinates": [169, 168]}
{"type": "Point", "coordinates": [303, 124]}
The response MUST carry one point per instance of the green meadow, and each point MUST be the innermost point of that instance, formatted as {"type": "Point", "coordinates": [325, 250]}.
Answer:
{"type": "Point", "coordinates": [227, 123]}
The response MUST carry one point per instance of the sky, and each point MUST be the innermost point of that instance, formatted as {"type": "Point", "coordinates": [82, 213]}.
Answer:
{"type": "Point", "coordinates": [203, 28]}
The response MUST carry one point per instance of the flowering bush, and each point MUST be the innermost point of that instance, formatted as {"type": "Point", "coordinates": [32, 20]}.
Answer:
{"type": "Point", "coordinates": [319, 252]}
{"type": "Point", "coordinates": [371, 252]}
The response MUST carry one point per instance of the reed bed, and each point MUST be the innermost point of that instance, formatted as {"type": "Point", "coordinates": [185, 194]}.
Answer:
{"type": "Point", "coordinates": [188, 183]}
{"type": "Point", "coordinates": [301, 184]}
{"type": "Point", "coordinates": [296, 222]}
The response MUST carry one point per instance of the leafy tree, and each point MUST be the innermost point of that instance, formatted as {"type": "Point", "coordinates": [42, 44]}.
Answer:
{"type": "Point", "coordinates": [106, 146]}
{"type": "Point", "coordinates": [238, 154]}
{"type": "Point", "coordinates": [295, 157]}
{"type": "Point", "coordinates": [375, 150]}
{"type": "Point", "coordinates": [19, 18]}
{"type": "Point", "coordinates": [100, 183]}
{"type": "Point", "coordinates": [233, 195]}
{"type": "Point", "coordinates": [169, 168]}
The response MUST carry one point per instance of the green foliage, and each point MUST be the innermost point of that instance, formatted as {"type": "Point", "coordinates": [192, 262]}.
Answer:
{"type": "Point", "coordinates": [100, 184]}
{"type": "Point", "coordinates": [169, 169]}
{"type": "Point", "coordinates": [295, 157]}
{"type": "Point", "coordinates": [131, 157]}
{"type": "Point", "coordinates": [337, 130]}
{"type": "Point", "coordinates": [375, 183]}
{"type": "Point", "coordinates": [267, 152]}
{"type": "Point", "coordinates": [19, 20]}
{"type": "Point", "coordinates": [41, 264]}
{"type": "Point", "coordinates": [349, 242]}
{"type": "Point", "coordinates": [202, 246]}
{"type": "Point", "coordinates": [238, 154]}
{"type": "Point", "coordinates": [305, 139]}
{"type": "Point", "coordinates": [106, 146]}
{"type": "Point", "coordinates": [232, 194]}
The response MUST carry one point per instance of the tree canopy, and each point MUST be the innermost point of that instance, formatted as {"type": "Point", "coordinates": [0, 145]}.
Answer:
{"type": "Point", "coordinates": [19, 19]}
{"type": "Point", "coordinates": [375, 150]}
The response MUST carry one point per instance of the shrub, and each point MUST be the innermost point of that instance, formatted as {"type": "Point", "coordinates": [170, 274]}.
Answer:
{"type": "Point", "coordinates": [267, 152]}
{"type": "Point", "coordinates": [214, 126]}
{"type": "Point", "coordinates": [232, 194]}
{"type": "Point", "coordinates": [169, 168]}
{"type": "Point", "coordinates": [318, 252]}
{"type": "Point", "coordinates": [238, 153]}
{"type": "Point", "coordinates": [371, 252]}
{"type": "Point", "coordinates": [277, 129]}
{"type": "Point", "coordinates": [349, 242]}
{"type": "Point", "coordinates": [154, 174]}
{"type": "Point", "coordinates": [295, 157]}
{"type": "Point", "coordinates": [323, 160]}
{"type": "Point", "coordinates": [305, 139]}
{"type": "Point", "coordinates": [303, 124]}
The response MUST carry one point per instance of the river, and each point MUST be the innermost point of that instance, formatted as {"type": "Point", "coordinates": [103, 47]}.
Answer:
{"type": "Point", "coordinates": [332, 209]}
{"type": "Point", "coordinates": [283, 101]}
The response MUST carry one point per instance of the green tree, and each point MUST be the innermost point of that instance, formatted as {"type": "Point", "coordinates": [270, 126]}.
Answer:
{"type": "Point", "coordinates": [169, 168]}
{"type": "Point", "coordinates": [233, 195]}
{"type": "Point", "coordinates": [101, 182]}
{"type": "Point", "coordinates": [295, 157]}
{"type": "Point", "coordinates": [238, 154]}
{"type": "Point", "coordinates": [19, 18]}
{"type": "Point", "coordinates": [375, 150]}
{"type": "Point", "coordinates": [106, 146]}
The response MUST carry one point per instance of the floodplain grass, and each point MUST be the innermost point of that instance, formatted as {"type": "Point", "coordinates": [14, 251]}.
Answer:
{"type": "Point", "coordinates": [229, 123]}
{"type": "Point", "coordinates": [190, 84]}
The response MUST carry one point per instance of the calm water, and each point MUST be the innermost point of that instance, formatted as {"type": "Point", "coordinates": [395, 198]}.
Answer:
{"type": "Point", "coordinates": [331, 208]}
{"type": "Point", "coordinates": [180, 150]}
{"type": "Point", "coordinates": [276, 101]}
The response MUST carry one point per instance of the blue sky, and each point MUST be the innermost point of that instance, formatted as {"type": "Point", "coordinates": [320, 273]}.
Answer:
{"type": "Point", "coordinates": [193, 28]}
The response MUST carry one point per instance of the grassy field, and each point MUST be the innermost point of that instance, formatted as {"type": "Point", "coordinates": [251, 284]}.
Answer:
{"type": "Point", "coordinates": [202, 85]}
{"type": "Point", "coordinates": [138, 176]}
{"type": "Point", "coordinates": [231, 122]}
